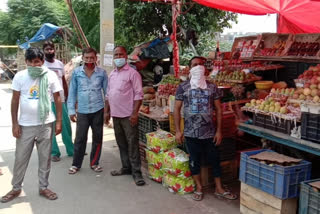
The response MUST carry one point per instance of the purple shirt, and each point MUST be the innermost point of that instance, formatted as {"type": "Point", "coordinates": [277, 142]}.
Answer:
{"type": "Point", "coordinates": [124, 87]}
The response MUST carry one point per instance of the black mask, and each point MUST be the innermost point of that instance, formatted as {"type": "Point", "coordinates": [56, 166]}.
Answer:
{"type": "Point", "coordinates": [49, 55]}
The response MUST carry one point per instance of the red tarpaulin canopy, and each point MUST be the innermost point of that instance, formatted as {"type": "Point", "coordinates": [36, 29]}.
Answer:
{"type": "Point", "coordinates": [294, 16]}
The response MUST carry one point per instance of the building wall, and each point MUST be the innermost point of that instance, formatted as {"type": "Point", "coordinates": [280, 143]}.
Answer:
{"type": "Point", "coordinates": [106, 31]}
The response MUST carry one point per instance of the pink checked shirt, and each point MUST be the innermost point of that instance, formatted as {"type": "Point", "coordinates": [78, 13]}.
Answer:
{"type": "Point", "coordinates": [124, 87]}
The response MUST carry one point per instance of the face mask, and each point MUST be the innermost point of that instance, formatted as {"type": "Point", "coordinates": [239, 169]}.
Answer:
{"type": "Point", "coordinates": [50, 55]}
{"type": "Point", "coordinates": [35, 69]}
{"type": "Point", "coordinates": [120, 62]}
{"type": "Point", "coordinates": [198, 80]}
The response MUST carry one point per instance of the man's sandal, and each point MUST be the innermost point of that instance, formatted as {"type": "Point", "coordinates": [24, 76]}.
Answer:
{"type": "Point", "coordinates": [48, 194]}
{"type": "Point", "coordinates": [227, 195]}
{"type": "Point", "coordinates": [197, 196]}
{"type": "Point", "coordinates": [10, 196]}
{"type": "Point", "coordinates": [120, 172]}
{"type": "Point", "coordinates": [55, 159]}
{"type": "Point", "coordinates": [96, 168]}
{"type": "Point", "coordinates": [73, 170]}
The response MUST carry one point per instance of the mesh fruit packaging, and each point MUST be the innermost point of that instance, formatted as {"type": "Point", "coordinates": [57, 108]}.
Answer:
{"type": "Point", "coordinates": [154, 159]}
{"type": "Point", "coordinates": [178, 185]}
{"type": "Point", "coordinates": [160, 141]}
{"type": "Point", "coordinates": [176, 163]}
{"type": "Point", "coordinates": [155, 174]}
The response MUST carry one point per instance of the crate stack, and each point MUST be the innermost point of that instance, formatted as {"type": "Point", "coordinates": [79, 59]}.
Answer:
{"type": "Point", "coordinates": [158, 142]}
{"type": "Point", "coordinates": [269, 186]}
{"type": "Point", "coordinates": [310, 123]}
{"type": "Point", "coordinates": [309, 202]}
{"type": "Point", "coordinates": [147, 125]}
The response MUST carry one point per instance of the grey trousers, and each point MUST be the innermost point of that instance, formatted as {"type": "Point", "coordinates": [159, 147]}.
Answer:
{"type": "Point", "coordinates": [42, 137]}
{"type": "Point", "coordinates": [128, 142]}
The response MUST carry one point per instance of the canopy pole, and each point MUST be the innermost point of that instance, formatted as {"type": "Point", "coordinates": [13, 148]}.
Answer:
{"type": "Point", "coordinates": [175, 14]}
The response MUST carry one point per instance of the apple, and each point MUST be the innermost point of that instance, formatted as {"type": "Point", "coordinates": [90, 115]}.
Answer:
{"type": "Point", "coordinates": [258, 102]}
{"type": "Point", "coordinates": [302, 97]}
{"type": "Point", "coordinates": [295, 96]}
{"type": "Point", "coordinates": [272, 103]}
{"type": "Point", "coordinates": [316, 99]}
{"type": "Point", "coordinates": [271, 109]}
{"type": "Point", "coordinates": [253, 101]}
{"type": "Point", "coordinates": [314, 92]}
{"type": "Point", "coordinates": [273, 90]}
{"type": "Point", "coordinates": [266, 108]}
{"type": "Point", "coordinates": [261, 107]}
{"type": "Point", "coordinates": [283, 110]}
{"type": "Point", "coordinates": [277, 104]}
{"type": "Point", "coordinates": [277, 109]}
{"type": "Point", "coordinates": [306, 91]}
{"type": "Point", "coordinates": [309, 98]}
{"type": "Point", "coordinates": [248, 104]}
{"type": "Point", "coordinates": [319, 86]}
{"type": "Point", "coordinates": [313, 86]}
{"type": "Point", "coordinates": [318, 78]}
{"type": "Point", "coordinates": [307, 85]}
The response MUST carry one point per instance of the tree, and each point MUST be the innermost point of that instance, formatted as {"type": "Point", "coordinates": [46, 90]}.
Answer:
{"type": "Point", "coordinates": [137, 22]}
{"type": "Point", "coordinates": [25, 17]}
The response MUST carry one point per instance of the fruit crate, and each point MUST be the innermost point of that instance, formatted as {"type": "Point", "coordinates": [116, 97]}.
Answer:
{"type": "Point", "coordinates": [310, 126]}
{"type": "Point", "coordinates": [265, 121]}
{"type": "Point", "coordinates": [279, 181]}
{"type": "Point", "coordinates": [309, 202]}
{"type": "Point", "coordinates": [147, 125]}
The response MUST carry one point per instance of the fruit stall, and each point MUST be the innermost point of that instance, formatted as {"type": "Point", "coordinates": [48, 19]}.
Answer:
{"type": "Point", "coordinates": [271, 96]}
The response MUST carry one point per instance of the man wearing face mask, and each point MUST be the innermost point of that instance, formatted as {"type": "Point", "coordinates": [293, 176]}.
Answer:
{"type": "Point", "coordinates": [31, 90]}
{"type": "Point", "coordinates": [58, 67]}
{"type": "Point", "coordinates": [87, 88]}
{"type": "Point", "coordinates": [123, 101]}
{"type": "Point", "coordinates": [200, 99]}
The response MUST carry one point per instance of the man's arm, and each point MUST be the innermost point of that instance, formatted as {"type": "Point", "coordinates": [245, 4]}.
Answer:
{"type": "Point", "coordinates": [16, 129]}
{"type": "Point", "coordinates": [218, 136]}
{"type": "Point", "coordinates": [137, 98]}
{"type": "Point", "coordinates": [106, 112]}
{"type": "Point", "coordinates": [58, 104]}
{"type": "Point", "coordinates": [65, 87]}
{"type": "Point", "coordinates": [72, 98]}
{"type": "Point", "coordinates": [177, 119]}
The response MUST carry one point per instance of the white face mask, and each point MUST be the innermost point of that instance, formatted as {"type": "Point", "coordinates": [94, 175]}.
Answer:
{"type": "Point", "coordinates": [120, 62]}
{"type": "Point", "coordinates": [198, 80]}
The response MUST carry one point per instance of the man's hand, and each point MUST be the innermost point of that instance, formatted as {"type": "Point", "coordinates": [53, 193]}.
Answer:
{"type": "Point", "coordinates": [106, 118]}
{"type": "Point", "coordinates": [218, 138]}
{"type": "Point", "coordinates": [179, 137]}
{"type": "Point", "coordinates": [58, 127]}
{"type": "Point", "coordinates": [134, 119]}
{"type": "Point", "coordinates": [73, 118]}
{"type": "Point", "coordinates": [16, 131]}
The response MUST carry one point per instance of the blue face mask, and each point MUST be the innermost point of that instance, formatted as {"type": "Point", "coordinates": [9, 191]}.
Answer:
{"type": "Point", "coordinates": [120, 62]}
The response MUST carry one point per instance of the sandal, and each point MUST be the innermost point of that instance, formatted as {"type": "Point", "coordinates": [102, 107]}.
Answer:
{"type": "Point", "coordinates": [10, 196]}
{"type": "Point", "coordinates": [73, 170]}
{"type": "Point", "coordinates": [55, 159]}
{"type": "Point", "coordinates": [48, 194]}
{"type": "Point", "coordinates": [96, 168]}
{"type": "Point", "coordinates": [226, 195]}
{"type": "Point", "coordinates": [197, 196]}
{"type": "Point", "coordinates": [121, 172]}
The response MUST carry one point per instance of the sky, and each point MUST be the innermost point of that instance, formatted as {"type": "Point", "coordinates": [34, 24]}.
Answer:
{"type": "Point", "coordinates": [246, 23]}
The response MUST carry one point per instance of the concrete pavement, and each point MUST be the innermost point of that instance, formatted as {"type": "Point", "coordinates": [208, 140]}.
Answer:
{"type": "Point", "coordinates": [87, 191]}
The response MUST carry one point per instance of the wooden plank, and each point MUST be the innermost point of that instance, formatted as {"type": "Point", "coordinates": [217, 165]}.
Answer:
{"type": "Point", "coordinates": [257, 206]}
{"type": "Point", "coordinates": [246, 210]}
{"type": "Point", "coordinates": [286, 206]}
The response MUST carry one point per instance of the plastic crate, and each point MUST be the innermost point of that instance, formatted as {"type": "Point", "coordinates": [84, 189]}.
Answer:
{"type": "Point", "coordinates": [147, 125]}
{"type": "Point", "coordinates": [310, 127]}
{"type": "Point", "coordinates": [309, 202]}
{"type": "Point", "coordinates": [279, 181]}
{"type": "Point", "coordinates": [265, 121]}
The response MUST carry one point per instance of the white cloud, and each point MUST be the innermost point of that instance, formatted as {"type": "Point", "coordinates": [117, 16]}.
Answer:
{"type": "Point", "coordinates": [249, 23]}
{"type": "Point", "coordinates": [3, 5]}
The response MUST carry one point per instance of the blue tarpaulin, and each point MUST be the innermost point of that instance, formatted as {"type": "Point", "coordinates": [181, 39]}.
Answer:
{"type": "Point", "coordinates": [44, 33]}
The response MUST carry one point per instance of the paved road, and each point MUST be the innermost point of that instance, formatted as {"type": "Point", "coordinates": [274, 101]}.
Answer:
{"type": "Point", "coordinates": [88, 192]}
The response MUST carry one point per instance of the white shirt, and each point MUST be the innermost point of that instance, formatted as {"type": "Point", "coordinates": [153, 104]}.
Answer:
{"type": "Point", "coordinates": [29, 97]}
{"type": "Point", "coordinates": [58, 67]}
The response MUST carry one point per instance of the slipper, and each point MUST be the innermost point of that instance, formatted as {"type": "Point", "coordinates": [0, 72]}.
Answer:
{"type": "Point", "coordinates": [96, 168]}
{"type": "Point", "coordinates": [73, 170]}
{"type": "Point", "coordinates": [10, 196]}
{"type": "Point", "coordinates": [197, 196]}
{"type": "Point", "coordinates": [226, 195]}
{"type": "Point", "coordinates": [139, 181]}
{"type": "Point", "coordinates": [55, 159]}
{"type": "Point", "coordinates": [48, 194]}
{"type": "Point", "coordinates": [121, 172]}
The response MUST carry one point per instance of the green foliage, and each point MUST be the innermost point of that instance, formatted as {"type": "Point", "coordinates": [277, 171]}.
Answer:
{"type": "Point", "coordinates": [25, 17]}
{"type": "Point", "coordinates": [138, 22]}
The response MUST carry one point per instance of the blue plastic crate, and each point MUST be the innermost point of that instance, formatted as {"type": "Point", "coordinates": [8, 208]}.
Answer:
{"type": "Point", "coordinates": [309, 202]}
{"type": "Point", "coordinates": [279, 181]}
